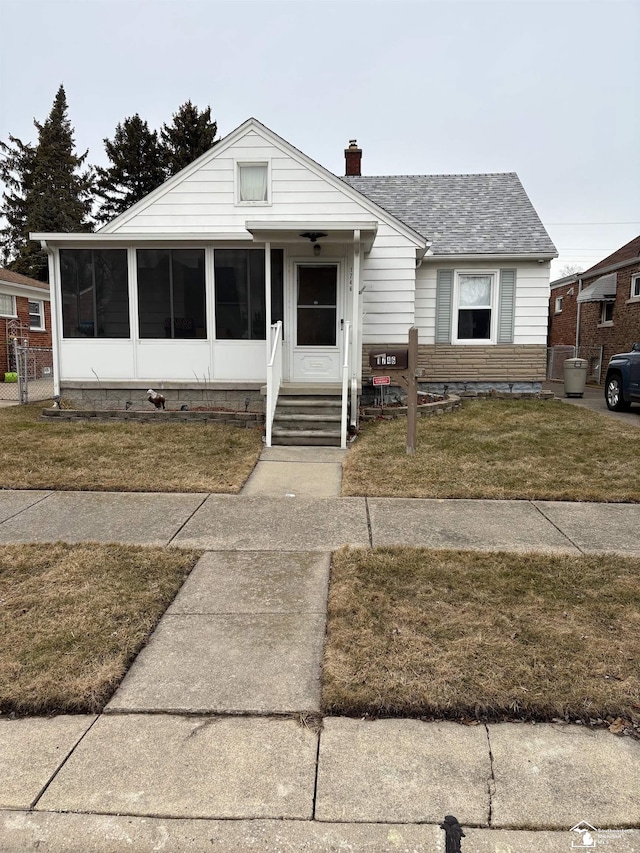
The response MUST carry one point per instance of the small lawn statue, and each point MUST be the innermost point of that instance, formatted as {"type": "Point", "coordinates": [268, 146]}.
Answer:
{"type": "Point", "coordinates": [155, 398]}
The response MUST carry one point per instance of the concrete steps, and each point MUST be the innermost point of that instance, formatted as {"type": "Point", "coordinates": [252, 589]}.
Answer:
{"type": "Point", "coordinates": [307, 420]}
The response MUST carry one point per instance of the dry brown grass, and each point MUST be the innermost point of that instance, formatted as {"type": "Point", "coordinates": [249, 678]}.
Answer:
{"type": "Point", "coordinates": [131, 457]}
{"type": "Point", "coordinates": [455, 634]}
{"type": "Point", "coordinates": [527, 449]}
{"type": "Point", "coordinates": [72, 618]}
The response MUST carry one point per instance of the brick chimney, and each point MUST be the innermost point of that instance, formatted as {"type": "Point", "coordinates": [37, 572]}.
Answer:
{"type": "Point", "coordinates": [353, 159]}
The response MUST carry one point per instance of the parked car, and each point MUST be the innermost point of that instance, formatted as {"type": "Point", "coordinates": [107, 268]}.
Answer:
{"type": "Point", "coordinates": [622, 385]}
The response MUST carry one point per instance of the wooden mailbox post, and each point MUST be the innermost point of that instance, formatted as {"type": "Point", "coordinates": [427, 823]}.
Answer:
{"type": "Point", "coordinates": [395, 361]}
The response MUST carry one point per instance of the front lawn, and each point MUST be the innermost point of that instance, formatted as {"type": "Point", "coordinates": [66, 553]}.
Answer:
{"type": "Point", "coordinates": [126, 456]}
{"type": "Point", "coordinates": [73, 617]}
{"type": "Point", "coordinates": [520, 449]}
{"type": "Point", "coordinates": [459, 634]}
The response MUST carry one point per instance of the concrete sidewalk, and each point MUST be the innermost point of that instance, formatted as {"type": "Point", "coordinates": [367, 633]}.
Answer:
{"type": "Point", "coordinates": [214, 741]}
{"type": "Point", "coordinates": [255, 521]}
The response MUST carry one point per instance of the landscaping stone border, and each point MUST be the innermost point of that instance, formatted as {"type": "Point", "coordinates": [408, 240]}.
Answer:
{"type": "Point", "coordinates": [248, 420]}
{"type": "Point", "coordinates": [425, 410]}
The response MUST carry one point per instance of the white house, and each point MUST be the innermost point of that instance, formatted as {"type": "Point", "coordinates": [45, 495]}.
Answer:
{"type": "Point", "coordinates": [180, 292]}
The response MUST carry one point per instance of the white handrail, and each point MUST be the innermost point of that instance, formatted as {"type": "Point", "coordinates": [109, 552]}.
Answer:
{"type": "Point", "coordinates": [345, 386]}
{"type": "Point", "coordinates": [274, 378]}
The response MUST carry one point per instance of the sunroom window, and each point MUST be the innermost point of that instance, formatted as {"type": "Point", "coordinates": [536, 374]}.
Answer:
{"type": "Point", "coordinates": [253, 183]}
{"type": "Point", "coordinates": [171, 293]}
{"type": "Point", "coordinates": [95, 293]}
{"type": "Point", "coordinates": [240, 293]}
{"type": "Point", "coordinates": [475, 293]}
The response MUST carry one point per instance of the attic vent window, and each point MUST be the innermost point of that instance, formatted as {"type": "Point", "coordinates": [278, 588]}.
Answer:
{"type": "Point", "coordinates": [253, 183]}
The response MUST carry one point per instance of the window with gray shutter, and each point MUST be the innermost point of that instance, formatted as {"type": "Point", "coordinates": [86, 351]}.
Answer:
{"type": "Point", "coordinates": [444, 305]}
{"type": "Point", "coordinates": [506, 306]}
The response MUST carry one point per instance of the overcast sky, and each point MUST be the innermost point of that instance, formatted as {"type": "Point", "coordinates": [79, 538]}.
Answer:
{"type": "Point", "coordinates": [549, 89]}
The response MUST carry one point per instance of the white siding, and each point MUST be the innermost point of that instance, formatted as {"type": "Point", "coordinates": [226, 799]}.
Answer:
{"type": "Point", "coordinates": [388, 302]}
{"type": "Point", "coordinates": [196, 362]}
{"type": "Point", "coordinates": [532, 297]}
{"type": "Point", "coordinates": [101, 360]}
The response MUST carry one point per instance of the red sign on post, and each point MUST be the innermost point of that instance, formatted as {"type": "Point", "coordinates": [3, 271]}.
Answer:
{"type": "Point", "coordinates": [382, 380]}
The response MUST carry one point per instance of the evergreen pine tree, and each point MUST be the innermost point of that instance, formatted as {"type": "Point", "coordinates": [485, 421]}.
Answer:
{"type": "Point", "coordinates": [189, 135]}
{"type": "Point", "coordinates": [136, 167]}
{"type": "Point", "coordinates": [45, 191]}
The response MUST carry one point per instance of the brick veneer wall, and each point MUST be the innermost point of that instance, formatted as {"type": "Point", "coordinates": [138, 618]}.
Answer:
{"type": "Point", "coordinates": [626, 319]}
{"type": "Point", "coordinates": [562, 326]}
{"type": "Point", "coordinates": [36, 339]}
{"type": "Point", "coordinates": [479, 364]}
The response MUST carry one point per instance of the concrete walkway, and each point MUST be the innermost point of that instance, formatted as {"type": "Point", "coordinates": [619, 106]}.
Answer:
{"type": "Point", "coordinates": [214, 741]}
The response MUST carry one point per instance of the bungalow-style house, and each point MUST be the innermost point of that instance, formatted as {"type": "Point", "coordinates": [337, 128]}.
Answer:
{"type": "Point", "coordinates": [24, 314]}
{"type": "Point", "coordinates": [180, 292]}
{"type": "Point", "coordinates": [598, 311]}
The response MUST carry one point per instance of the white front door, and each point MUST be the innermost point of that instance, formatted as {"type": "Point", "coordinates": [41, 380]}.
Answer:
{"type": "Point", "coordinates": [317, 320]}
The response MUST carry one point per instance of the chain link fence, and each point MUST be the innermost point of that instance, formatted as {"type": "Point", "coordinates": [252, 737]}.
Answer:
{"type": "Point", "coordinates": [29, 376]}
{"type": "Point", "coordinates": [556, 357]}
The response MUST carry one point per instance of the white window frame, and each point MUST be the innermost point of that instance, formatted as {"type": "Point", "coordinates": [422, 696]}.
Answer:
{"type": "Point", "coordinates": [558, 305]}
{"type": "Point", "coordinates": [603, 308]}
{"type": "Point", "coordinates": [13, 313]}
{"type": "Point", "coordinates": [237, 168]}
{"type": "Point", "coordinates": [635, 286]}
{"type": "Point", "coordinates": [40, 303]}
{"type": "Point", "coordinates": [493, 306]}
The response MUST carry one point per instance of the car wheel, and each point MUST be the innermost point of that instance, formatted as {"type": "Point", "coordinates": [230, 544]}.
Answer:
{"type": "Point", "coordinates": [613, 394]}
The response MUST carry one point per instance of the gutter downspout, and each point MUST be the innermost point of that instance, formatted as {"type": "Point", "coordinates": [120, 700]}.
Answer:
{"type": "Point", "coordinates": [578, 312]}
{"type": "Point", "coordinates": [53, 302]}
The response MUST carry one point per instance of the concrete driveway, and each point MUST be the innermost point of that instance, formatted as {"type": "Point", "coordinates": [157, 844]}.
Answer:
{"type": "Point", "coordinates": [593, 399]}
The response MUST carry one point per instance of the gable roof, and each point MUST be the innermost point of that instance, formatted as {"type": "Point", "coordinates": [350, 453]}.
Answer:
{"type": "Point", "coordinates": [462, 214]}
{"type": "Point", "coordinates": [627, 253]}
{"type": "Point", "coordinates": [10, 277]}
{"type": "Point", "coordinates": [222, 145]}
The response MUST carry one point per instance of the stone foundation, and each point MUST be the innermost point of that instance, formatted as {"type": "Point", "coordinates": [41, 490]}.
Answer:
{"type": "Point", "coordinates": [96, 397]}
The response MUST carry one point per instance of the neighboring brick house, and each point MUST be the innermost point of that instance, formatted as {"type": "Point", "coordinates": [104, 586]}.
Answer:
{"type": "Point", "coordinates": [24, 312]}
{"type": "Point", "coordinates": [599, 307]}
{"type": "Point", "coordinates": [563, 311]}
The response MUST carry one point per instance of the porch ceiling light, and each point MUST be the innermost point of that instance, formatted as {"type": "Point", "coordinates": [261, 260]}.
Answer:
{"type": "Point", "coordinates": [313, 235]}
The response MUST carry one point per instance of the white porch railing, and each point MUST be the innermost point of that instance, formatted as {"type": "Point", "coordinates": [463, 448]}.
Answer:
{"type": "Point", "coordinates": [345, 385]}
{"type": "Point", "coordinates": [274, 378]}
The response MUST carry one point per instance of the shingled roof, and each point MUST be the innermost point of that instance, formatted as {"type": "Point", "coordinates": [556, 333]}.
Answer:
{"type": "Point", "coordinates": [462, 214]}
{"type": "Point", "coordinates": [11, 277]}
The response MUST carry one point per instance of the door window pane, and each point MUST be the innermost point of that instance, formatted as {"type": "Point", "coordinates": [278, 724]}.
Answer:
{"type": "Point", "coordinates": [316, 308]}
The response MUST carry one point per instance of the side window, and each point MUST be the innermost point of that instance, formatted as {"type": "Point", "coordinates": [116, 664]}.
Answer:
{"type": "Point", "coordinates": [36, 316]}
{"type": "Point", "coordinates": [253, 183]}
{"type": "Point", "coordinates": [558, 309]}
{"type": "Point", "coordinates": [606, 316]}
{"type": "Point", "coordinates": [7, 305]}
{"type": "Point", "coordinates": [474, 307]}
{"type": "Point", "coordinates": [635, 287]}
